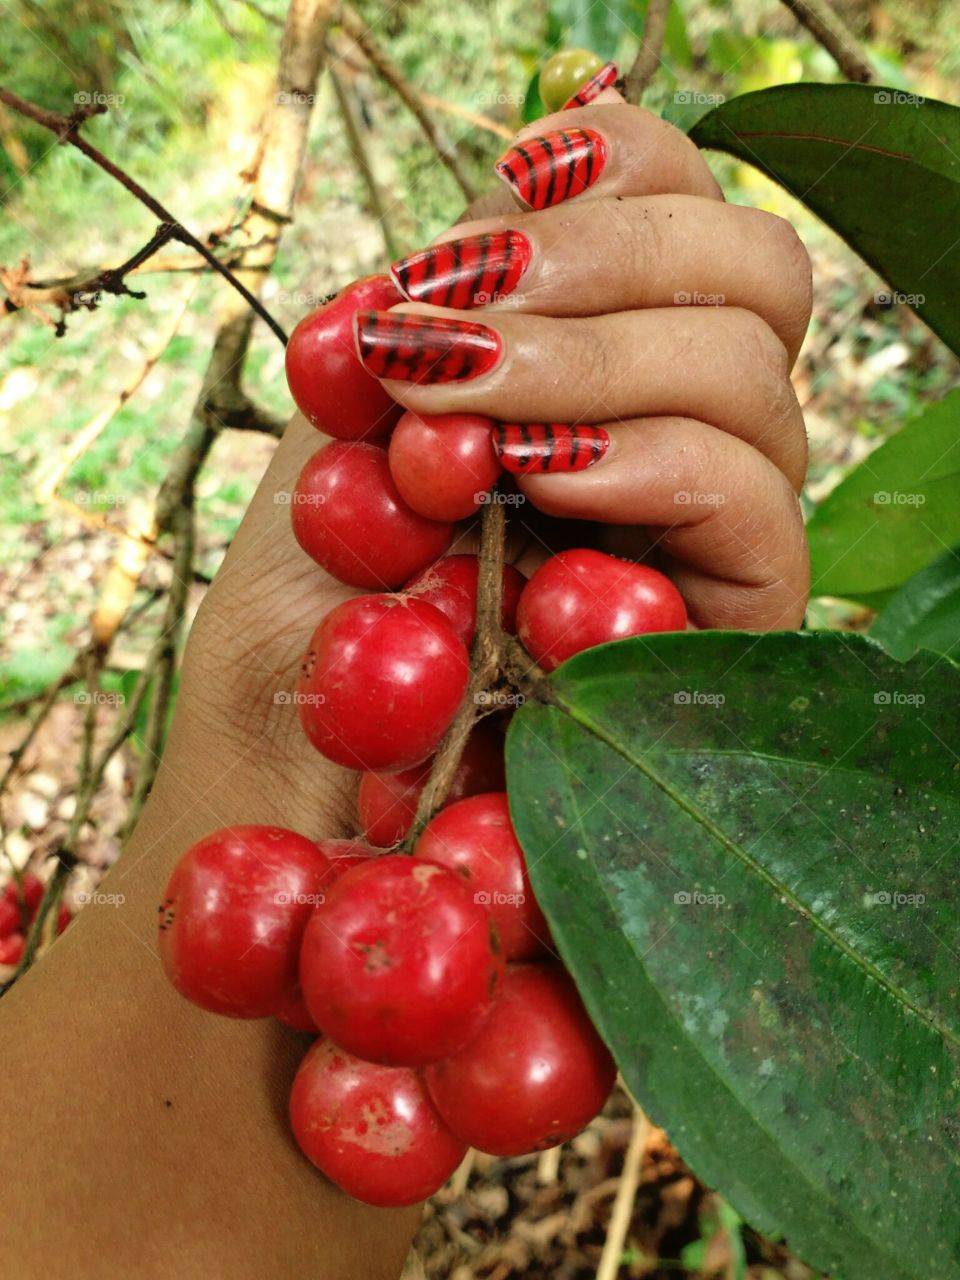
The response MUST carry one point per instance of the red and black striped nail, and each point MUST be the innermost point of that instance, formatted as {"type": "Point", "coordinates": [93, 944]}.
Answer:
{"type": "Point", "coordinates": [554, 167]}
{"type": "Point", "coordinates": [548, 447]}
{"type": "Point", "coordinates": [473, 272]}
{"type": "Point", "coordinates": [424, 348]}
{"type": "Point", "coordinates": [604, 78]}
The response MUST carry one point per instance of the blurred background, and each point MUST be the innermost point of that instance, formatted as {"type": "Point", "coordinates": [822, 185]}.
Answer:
{"type": "Point", "coordinates": [104, 396]}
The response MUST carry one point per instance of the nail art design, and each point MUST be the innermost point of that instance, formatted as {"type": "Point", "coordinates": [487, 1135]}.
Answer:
{"type": "Point", "coordinates": [604, 78]}
{"type": "Point", "coordinates": [473, 272]}
{"type": "Point", "coordinates": [554, 167]}
{"type": "Point", "coordinates": [424, 348]}
{"type": "Point", "coordinates": [548, 448]}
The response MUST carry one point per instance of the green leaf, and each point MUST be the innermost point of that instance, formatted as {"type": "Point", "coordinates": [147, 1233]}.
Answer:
{"type": "Point", "coordinates": [895, 512]}
{"type": "Point", "coordinates": [885, 174]}
{"type": "Point", "coordinates": [730, 835]}
{"type": "Point", "coordinates": [599, 27]}
{"type": "Point", "coordinates": [925, 612]}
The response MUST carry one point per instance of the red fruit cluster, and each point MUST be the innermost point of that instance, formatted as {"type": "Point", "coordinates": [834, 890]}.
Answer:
{"type": "Point", "coordinates": [443, 1018]}
{"type": "Point", "coordinates": [19, 903]}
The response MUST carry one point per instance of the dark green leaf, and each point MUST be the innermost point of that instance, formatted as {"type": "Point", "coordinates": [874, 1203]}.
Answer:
{"type": "Point", "coordinates": [895, 512]}
{"type": "Point", "coordinates": [878, 167]}
{"type": "Point", "coordinates": [925, 612]}
{"type": "Point", "coordinates": [746, 847]}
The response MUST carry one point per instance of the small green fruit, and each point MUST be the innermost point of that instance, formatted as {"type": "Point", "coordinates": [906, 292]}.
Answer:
{"type": "Point", "coordinates": [563, 74]}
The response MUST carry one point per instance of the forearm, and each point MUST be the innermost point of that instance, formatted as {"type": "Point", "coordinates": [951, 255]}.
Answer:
{"type": "Point", "coordinates": [143, 1136]}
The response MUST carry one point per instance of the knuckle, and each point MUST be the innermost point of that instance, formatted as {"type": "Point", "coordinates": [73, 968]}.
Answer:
{"type": "Point", "coordinates": [758, 343]}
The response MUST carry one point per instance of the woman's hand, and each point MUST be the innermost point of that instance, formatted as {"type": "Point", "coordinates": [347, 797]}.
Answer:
{"type": "Point", "coordinates": [179, 1156]}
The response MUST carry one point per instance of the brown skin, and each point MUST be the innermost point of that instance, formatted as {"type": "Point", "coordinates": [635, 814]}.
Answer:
{"type": "Point", "coordinates": [141, 1136]}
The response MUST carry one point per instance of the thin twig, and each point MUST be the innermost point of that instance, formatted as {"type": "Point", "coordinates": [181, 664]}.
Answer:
{"type": "Point", "coordinates": [359, 152]}
{"type": "Point", "coordinates": [472, 117]}
{"type": "Point", "coordinates": [648, 56]}
{"type": "Point", "coordinates": [171, 629]}
{"type": "Point", "coordinates": [622, 1211]}
{"type": "Point", "coordinates": [390, 73]}
{"type": "Point", "coordinates": [829, 30]}
{"type": "Point", "coordinates": [67, 129]}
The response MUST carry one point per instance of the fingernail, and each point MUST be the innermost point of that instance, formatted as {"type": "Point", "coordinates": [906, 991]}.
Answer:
{"type": "Point", "coordinates": [473, 272]}
{"type": "Point", "coordinates": [605, 77]}
{"type": "Point", "coordinates": [424, 348]}
{"type": "Point", "coordinates": [557, 166]}
{"type": "Point", "coordinates": [548, 448]}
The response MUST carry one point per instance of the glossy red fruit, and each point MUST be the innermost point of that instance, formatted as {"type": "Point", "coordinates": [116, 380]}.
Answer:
{"type": "Point", "coordinates": [370, 1129]}
{"type": "Point", "coordinates": [387, 802]}
{"type": "Point", "coordinates": [12, 948]}
{"type": "Point", "coordinates": [400, 965]}
{"type": "Point", "coordinates": [475, 838]}
{"type": "Point", "coordinates": [443, 464]}
{"type": "Point", "coordinates": [29, 893]}
{"type": "Point", "coordinates": [233, 916]}
{"type": "Point", "coordinates": [582, 598]}
{"type": "Point", "coordinates": [348, 516]}
{"type": "Point", "coordinates": [381, 682]}
{"type": "Point", "coordinates": [341, 855]}
{"type": "Point", "coordinates": [11, 918]}
{"type": "Point", "coordinates": [451, 585]}
{"type": "Point", "coordinates": [326, 379]}
{"type": "Point", "coordinates": [535, 1075]}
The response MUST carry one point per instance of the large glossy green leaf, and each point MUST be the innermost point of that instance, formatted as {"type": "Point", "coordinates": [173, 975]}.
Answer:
{"type": "Point", "coordinates": [747, 850]}
{"type": "Point", "coordinates": [876, 165]}
{"type": "Point", "coordinates": [895, 512]}
{"type": "Point", "coordinates": [925, 612]}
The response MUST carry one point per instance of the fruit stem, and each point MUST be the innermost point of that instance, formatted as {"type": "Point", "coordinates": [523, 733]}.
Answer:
{"type": "Point", "coordinates": [495, 657]}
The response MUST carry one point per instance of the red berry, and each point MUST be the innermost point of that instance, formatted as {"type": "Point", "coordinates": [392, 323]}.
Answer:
{"type": "Point", "coordinates": [381, 682]}
{"type": "Point", "coordinates": [233, 916]}
{"type": "Point", "coordinates": [29, 893]}
{"type": "Point", "coordinates": [475, 838]}
{"type": "Point", "coordinates": [443, 464]}
{"type": "Point", "coordinates": [370, 1129]}
{"type": "Point", "coordinates": [11, 918]}
{"type": "Point", "coordinates": [400, 965]}
{"type": "Point", "coordinates": [341, 855]}
{"type": "Point", "coordinates": [348, 516]}
{"type": "Point", "coordinates": [535, 1075]}
{"type": "Point", "coordinates": [12, 948]}
{"type": "Point", "coordinates": [326, 379]}
{"type": "Point", "coordinates": [451, 585]}
{"type": "Point", "coordinates": [387, 802]}
{"type": "Point", "coordinates": [64, 916]}
{"type": "Point", "coordinates": [581, 598]}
